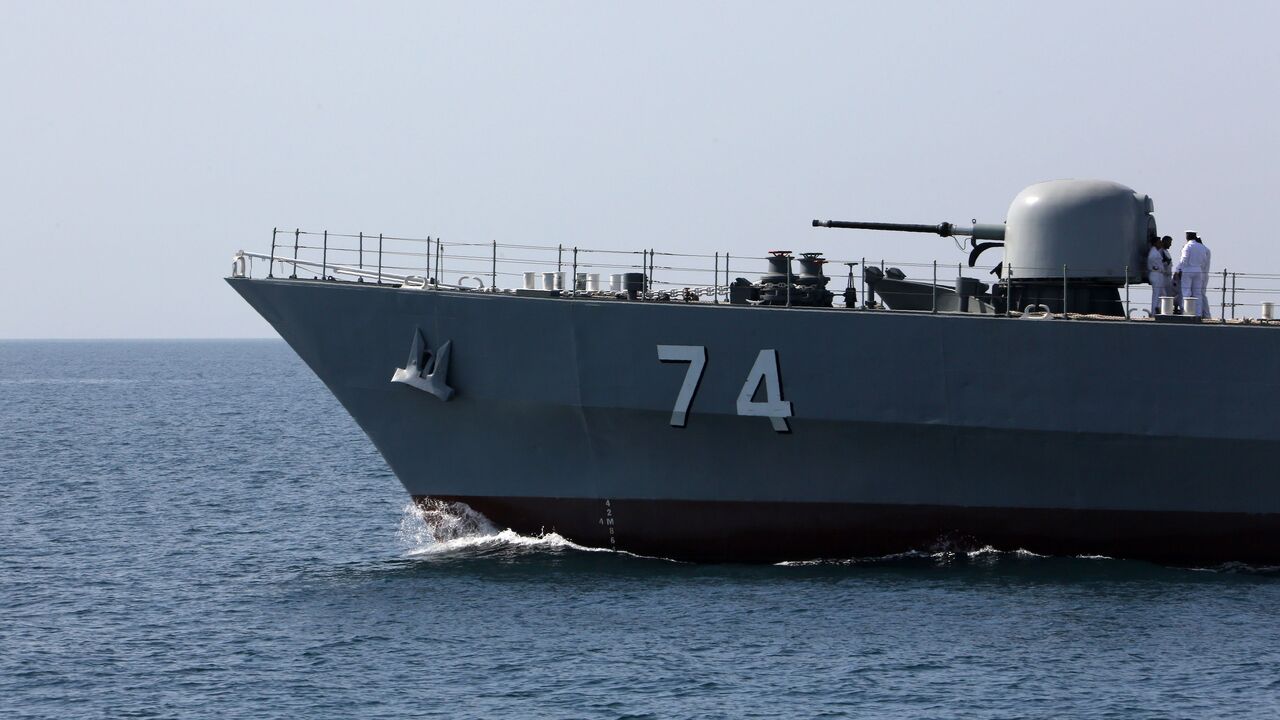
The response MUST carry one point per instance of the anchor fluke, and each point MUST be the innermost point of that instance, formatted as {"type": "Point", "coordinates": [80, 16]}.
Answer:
{"type": "Point", "coordinates": [425, 370]}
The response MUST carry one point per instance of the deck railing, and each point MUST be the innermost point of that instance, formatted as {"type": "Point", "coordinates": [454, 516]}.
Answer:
{"type": "Point", "coordinates": [433, 262]}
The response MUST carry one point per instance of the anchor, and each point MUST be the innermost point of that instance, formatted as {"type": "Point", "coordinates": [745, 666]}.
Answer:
{"type": "Point", "coordinates": [424, 370]}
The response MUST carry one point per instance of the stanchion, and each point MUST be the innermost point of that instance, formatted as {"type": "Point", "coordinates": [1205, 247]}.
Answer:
{"type": "Point", "coordinates": [1222, 310]}
{"type": "Point", "coordinates": [1233, 296]}
{"type": "Point", "coordinates": [935, 287]}
{"type": "Point", "coordinates": [651, 269]}
{"type": "Point", "coordinates": [1127, 304]}
{"type": "Point", "coordinates": [1064, 291]}
{"type": "Point", "coordinates": [863, 264]}
{"type": "Point", "coordinates": [271, 266]}
{"type": "Point", "coordinates": [1008, 291]}
{"type": "Point", "coordinates": [788, 280]}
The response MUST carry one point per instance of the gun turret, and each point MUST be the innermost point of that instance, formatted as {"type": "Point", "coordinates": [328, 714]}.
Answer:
{"type": "Point", "coordinates": [1068, 244]}
{"type": "Point", "coordinates": [980, 231]}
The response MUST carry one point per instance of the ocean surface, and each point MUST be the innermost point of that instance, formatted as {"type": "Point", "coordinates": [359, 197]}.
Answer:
{"type": "Point", "coordinates": [197, 529]}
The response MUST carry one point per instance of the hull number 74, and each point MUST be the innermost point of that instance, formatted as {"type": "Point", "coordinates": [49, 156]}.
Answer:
{"type": "Point", "coordinates": [764, 373]}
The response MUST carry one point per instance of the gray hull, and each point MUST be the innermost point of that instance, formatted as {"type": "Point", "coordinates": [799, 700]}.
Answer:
{"type": "Point", "coordinates": [907, 429]}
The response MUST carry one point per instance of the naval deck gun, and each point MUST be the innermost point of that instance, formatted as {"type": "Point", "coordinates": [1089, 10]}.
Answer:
{"type": "Point", "coordinates": [899, 293]}
{"type": "Point", "coordinates": [979, 231]}
{"type": "Point", "coordinates": [1068, 245]}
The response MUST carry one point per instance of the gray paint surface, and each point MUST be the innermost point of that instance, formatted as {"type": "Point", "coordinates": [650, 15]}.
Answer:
{"type": "Point", "coordinates": [567, 398]}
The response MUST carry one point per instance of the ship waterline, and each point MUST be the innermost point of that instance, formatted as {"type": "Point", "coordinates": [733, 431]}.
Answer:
{"type": "Point", "coordinates": [771, 532]}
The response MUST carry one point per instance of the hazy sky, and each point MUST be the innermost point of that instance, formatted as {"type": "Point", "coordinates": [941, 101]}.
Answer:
{"type": "Point", "coordinates": [144, 143]}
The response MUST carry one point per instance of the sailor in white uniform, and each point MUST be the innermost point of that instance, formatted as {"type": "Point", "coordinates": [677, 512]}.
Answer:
{"type": "Point", "coordinates": [1194, 269]}
{"type": "Point", "coordinates": [1157, 274]}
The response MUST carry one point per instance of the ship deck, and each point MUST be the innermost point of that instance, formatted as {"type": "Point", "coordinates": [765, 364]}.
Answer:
{"type": "Point", "coordinates": [544, 271]}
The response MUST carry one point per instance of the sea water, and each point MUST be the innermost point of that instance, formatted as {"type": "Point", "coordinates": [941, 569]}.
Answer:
{"type": "Point", "coordinates": [197, 529]}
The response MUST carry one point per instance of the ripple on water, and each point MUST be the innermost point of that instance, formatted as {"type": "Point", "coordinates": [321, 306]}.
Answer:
{"type": "Point", "coordinates": [232, 545]}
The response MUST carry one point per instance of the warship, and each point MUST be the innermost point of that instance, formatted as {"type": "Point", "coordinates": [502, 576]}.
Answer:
{"type": "Point", "coordinates": [759, 420]}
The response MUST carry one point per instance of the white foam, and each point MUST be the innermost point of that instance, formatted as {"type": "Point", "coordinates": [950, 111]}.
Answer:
{"type": "Point", "coordinates": [908, 555]}
{"type": "Point", "coordinates": [446, 528]}
{"type": "Point", "coordinates": [986, 551]}
{"type": "Point", "coordinates": [503, 538]}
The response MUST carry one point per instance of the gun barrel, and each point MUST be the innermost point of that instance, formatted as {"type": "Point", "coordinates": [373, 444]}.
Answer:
{"type": "Point", "coordinates": [980, 231]}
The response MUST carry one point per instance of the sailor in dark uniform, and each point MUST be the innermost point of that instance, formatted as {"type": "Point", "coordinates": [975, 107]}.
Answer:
{"type": "Point", "coordinates": [1157, 274]}
{"type": "Point", "coordinates": [1175, 280]}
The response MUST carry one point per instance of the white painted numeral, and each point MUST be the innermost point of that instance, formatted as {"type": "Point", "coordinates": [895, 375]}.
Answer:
{"type": "Point", "coordinates": [773, 406]}
{"type": "Point", "coordinates": [696, 356]}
